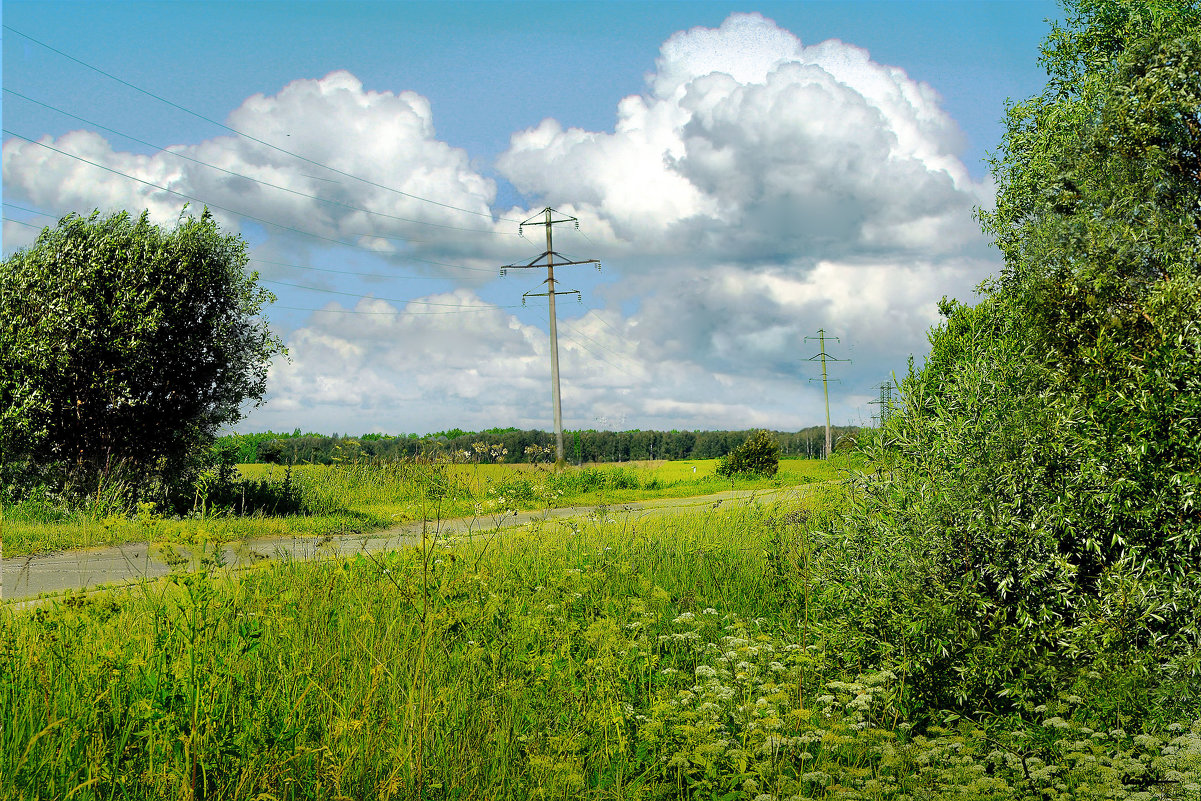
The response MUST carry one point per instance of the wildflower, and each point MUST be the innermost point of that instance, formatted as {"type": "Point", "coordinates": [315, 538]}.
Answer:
{"type": "Point", "coordinates": [685, 617]}
{"type": "Point", "coordinates": [706, 672]}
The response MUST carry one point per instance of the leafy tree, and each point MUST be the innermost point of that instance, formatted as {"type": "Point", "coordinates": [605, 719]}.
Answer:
{"type": "Point", "coordinates": [124, 343]}
{"type": "Point", "coordinates": [1038, 500]}
{"type": "Point", "coordinates": [759, 455]}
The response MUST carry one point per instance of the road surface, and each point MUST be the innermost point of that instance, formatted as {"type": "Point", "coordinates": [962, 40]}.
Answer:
{"type": "Point", "coordinates": [29, 577]}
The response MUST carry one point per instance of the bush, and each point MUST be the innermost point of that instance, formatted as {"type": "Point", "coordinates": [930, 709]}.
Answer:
{"type": "Point", "coordinates": [759, 455]}
{"type": "Point", "coordinates": [122, 343]}
{"type": "Point", "coordinates": [1032, 522]}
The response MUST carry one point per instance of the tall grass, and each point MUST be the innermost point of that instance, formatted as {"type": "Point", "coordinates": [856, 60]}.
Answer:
{"type": "Point", "coordinates": [362, 496]}
{"type": "Point", "coordinates": [638, 658]}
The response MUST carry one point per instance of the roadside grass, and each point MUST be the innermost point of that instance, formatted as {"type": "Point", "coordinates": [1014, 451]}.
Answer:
{"type": "Point", "coordinates": [632, 658]}
{"type": "Point", "coordinates": [361, 497]}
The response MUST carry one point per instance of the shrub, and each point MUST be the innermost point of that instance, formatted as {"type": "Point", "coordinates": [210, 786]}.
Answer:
{"type": "Point", "coordinates": [759, 455]}
{"type": "Point", "coordinates": [1032, 520]}
{"type": "Point", "coordinates": [122, 343]}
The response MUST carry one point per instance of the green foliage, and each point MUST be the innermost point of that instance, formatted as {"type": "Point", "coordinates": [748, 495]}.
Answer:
{"type": "Point", "coordinates": [355, 497]}
{"type": "Point", "coordinates": [1036, 497]}
{"type": "Point", "coordinates": [759, 455]}
{"type": "Point", "coordinates": [638, 658]}
{"type": "Point", "coordinates": [124, 346]}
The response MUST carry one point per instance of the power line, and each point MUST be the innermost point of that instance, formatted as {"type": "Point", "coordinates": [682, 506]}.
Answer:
{"type": "Point", "coordinates": [318, 198]}
{"type": "Point", "coordinates": [395, 313]}
{"type": "Point", "coordinates": [243, 214]}
{"type": "Point", "coordinates": [592, 353]}
{"type": "Point", "coordinates": [31, 211]}
{"type": "Point", "coordinates": [341, 272]}
{"type": "Point", "coordinates": [365, 297]}
{"type": "Point", "coordinates": [604, 347]}
{"type": "Point", "coordinates": [461, 309]}
{"type": "Point", "coordinates": [603, 320]}
{"type": "Point", "coordinates": [27, 225]}
{"type": "Point", "coordinates": [252, 260]}
{"type": "Point", "coordinates": [246, 135]}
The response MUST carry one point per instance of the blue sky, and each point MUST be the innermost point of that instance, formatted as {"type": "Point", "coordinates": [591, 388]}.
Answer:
{"type": "Point", "coordinates": [814, 186]}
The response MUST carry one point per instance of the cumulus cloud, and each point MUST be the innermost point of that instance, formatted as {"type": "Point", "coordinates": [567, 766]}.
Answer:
{"type": "Point", "coordinates": [761, 189]}
{"type": "Point", "coordinates": [333, 122]}
{"type": "Point", "coordinates": [379, 366]}
{"type": "Point", "coordinates": [757, 190]}
{"type": "Point", "coordinates": [762, 148]}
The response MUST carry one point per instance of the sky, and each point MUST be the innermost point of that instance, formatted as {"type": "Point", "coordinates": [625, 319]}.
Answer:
{"type": "Point", "coordinates": [747, 175]}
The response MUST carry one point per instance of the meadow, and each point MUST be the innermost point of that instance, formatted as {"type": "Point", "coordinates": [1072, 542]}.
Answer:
{"type": "Point", "coordinates": [364, 496]}
{"type": "Point", "coordinates": [700, 655]}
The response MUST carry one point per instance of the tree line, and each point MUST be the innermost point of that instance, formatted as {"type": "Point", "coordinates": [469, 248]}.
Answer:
{"type": "Point", "coordinates": [512, 445]}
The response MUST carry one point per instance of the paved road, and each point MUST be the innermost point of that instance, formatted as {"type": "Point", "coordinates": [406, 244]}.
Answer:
{"type": "Point", "coordinates": [27, 577]}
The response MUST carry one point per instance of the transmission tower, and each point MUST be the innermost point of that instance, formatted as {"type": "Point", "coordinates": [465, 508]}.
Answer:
{"type": "Point", "coordinates": [885, 403]}
{"type": "Point", "coordinates": [549, 217]}
{"type": "Point", "coordinates": [821, 337]}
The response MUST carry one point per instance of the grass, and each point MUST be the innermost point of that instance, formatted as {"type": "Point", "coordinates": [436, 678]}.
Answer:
{"type": "Point", "coordinates": [663, 657]}
{"type": "Point", "coordinates": [362, 497]}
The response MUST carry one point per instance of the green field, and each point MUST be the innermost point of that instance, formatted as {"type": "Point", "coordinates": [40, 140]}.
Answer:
{"type": "Point", "coordinates": [361, 497]}
{"type": "Point", "coordinates": [701, 655]}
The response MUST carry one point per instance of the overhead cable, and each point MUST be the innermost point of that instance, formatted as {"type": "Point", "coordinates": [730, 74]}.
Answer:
{"type": "Point", "coordinates": [244, 214]}
{"type": "Point", "coordinates": [318, 198]}
{"type": "Point", "coordinates": [245, 135]}
{"type": "Point", "coordinates": [364, 297]}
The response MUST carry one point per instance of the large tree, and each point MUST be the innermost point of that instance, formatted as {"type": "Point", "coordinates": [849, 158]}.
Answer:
{"type": "Point", "coordinates": [1043, 485]}
{"type": "Point", "coordinates": [124, 343]}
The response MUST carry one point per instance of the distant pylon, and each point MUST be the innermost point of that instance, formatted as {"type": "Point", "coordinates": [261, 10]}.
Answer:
{"type": "Point", "coordinates": [885, 403]}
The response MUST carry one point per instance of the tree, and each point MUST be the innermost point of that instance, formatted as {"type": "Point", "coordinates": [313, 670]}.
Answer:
{"type": "Point", "coordinates": [1039, 491]}
{"type": "Point", "coordinates": [125, 343]}
{"type": "Point", "coordinates": [759, 455]}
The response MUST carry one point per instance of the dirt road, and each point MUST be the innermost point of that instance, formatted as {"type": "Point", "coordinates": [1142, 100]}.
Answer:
{"type": "Point", "coordinates": [28, 577]}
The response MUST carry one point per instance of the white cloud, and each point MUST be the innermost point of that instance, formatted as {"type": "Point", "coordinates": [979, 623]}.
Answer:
{"type": "Point", "coordinates": [385, 137]}
{"type": "Point", "coordinates": [760, 189]}
{"type": "Point", "coordinates": [796, 188]}
{"type": "Point", "coordinates": [383, 367]}
{"type": "Point", "coordinates": [755, 147]}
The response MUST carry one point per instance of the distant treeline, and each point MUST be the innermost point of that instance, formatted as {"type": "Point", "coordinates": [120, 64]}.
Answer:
{"type": "Point", "coordinates": [513, 445]}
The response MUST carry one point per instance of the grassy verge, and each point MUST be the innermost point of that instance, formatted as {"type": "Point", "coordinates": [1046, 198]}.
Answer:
{"type": "Point", "coordinates": [369, 496]}
{"type": "Point", "coordinates": [673, 657]}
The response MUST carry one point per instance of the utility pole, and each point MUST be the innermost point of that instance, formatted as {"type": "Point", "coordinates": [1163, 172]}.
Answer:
{"type": "Point", "coordinates": [549, 218]}
{"type": "Point", "coordinates": [821, 338]}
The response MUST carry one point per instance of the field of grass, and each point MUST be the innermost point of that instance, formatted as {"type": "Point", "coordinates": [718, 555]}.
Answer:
{"type": "Point", "coordinates": [369, 496]}
{"type": "Point", "coordinates": [700, 655]}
